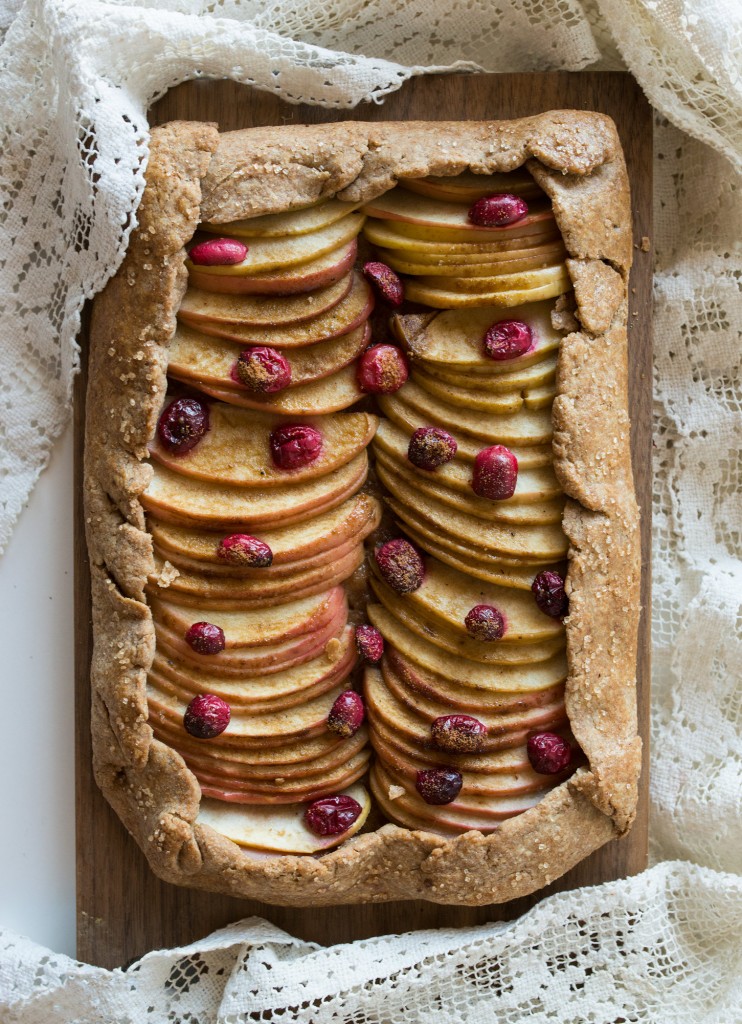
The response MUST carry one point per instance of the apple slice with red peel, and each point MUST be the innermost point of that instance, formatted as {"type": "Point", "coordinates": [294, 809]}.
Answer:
{"type": "Point", "coordinates": [304, 277]}
{"type": "Point", "coordinates": [527, 261]}
{"type": "Point", "coordinates": [268, 254]}
{"type": "Point", "coordinates": [316, 398]}
{"type": "Point", "coordinates": [278, 830]}
{"type": "Point", "coordinates": [204, 359]}
{"type": "Point", "coordinates": [502, 280]}
{"type": "Point", "coordinates": [313, 787]}
{"type": "Point", "coordinates": [262, 310]}
{"type": "Point", "coordinates": [510, 759]}
{"type": "Point", "coordinates": [276, 758]}
{"type": "Point", "coordinates": [394, 235]}
{"type": "Point", "coordinates": [355, 518]}
{"type": "Point", "coordinates": [543, 669]}
{"type": "Point", "coordinates": [468, 187]}
{"type": "Point", "coordinates": [236, 449]}
{"type": "Point", "coordinates": [406, 208]}
{"type": "Point", "coordinates": [186, 501]}
{"type": "Point", "coordinates": [293, 222]}
{"type": "Point", "coordinates": [533, 376]}
{"type": "Point", "coordinates": [449, 298]}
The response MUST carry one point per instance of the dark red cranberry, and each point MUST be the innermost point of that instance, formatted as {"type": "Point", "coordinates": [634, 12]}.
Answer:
{"type": "Point", "coordinates": [495, 473]}
{"type": "Point", "coordinates": [548, 753]}
{"type": "Point", "coordinates": [382, 370]}
{"type": "Point", "coordinates": [385, 283]}
{"type": "Point", "coordinates": [205, 638]}
{"type": "Point", "coordinates": [438, 785]}
{"type": "Point", "coordinates": [182, 424]}
{"type": "Point", "coordinates": [400, 565]}
{"type": "Point", "coordinates": [242, 549]}
{"type": "Point", "coordinates": [485, 622]}
{"type": "Point", "coordinates": [508, 339]}
{"type": "Point", "coordinates": [262, 369]}
{"type": "Point", "coordinates": [498, 211]}
{"type": "Point", "coordinates": [370, 643]}
{"type": "Point", "coordinates": [548, 589]}
{"type": "Point", "coordinates": [431, 447]}
{"type": "Point", "coordinates": [294, 445]}
{"type": "Point", "coordinates": [459, 734]}
{"type": "Point", "coordinates": [218, 252]}
{"type": "Point", "coordinates": [346, 714]}
{"type": "Point", "coordinates": [206, 716]}
{"type": "Point", "coordinates": [331, 815]}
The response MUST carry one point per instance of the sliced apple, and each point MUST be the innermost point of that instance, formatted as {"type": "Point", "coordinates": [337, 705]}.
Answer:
{"type": "Point", "coordinates": [536, 375]}
{"type": "Point", "coordinates": [468, 187]}
{"type": "Point", "coordinates": [317, 398]}
{"type": "Point", "coordinates": [293, 222]}
{"type": "Point", "coordinates": [204, 359]}
{"type": "Point", "coordinates": [454, 297]}
{"type": "Point", "coordinates": [483, 398]}
{"type": "Point", "coordinates": [507, 759]}
{"type": "Point", "coordinates": [282, 795]}
{"type": "Point", "coordinates": [266, 254]}
{"type": "Point", "coordinates": [272, 758]}
{"type": "Point", "coordinates": [393, 235]}
{"type": "Point", "coordinates": [354, 519]}
{"type": "Point", "coordinates": [303, 277]}
{"type": "Point", "coordinates": [190, 502]}
{"type": "Point", "coordinates": [477, 261]}
{"type": "Point", "coordinates": [405, 208]}
{"type": "Point", "coordinates": [262, 310]}
{"type": "Point", "coordinates": [502, 280]}
{"type": "Point", "coordinates": [524, 262]}
{"type": "Point", "coordinates": [349, 314]}
{"type": "Point", "coordinates": [508, 676]}
{"type": "Point", "coordinates": [236, 448]}
{"type": "Point", "coordinates": [280, 830]}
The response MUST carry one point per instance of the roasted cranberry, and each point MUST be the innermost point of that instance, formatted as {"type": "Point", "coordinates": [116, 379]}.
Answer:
{"type": "Point", "coordinates": [548, 753]}
{"type": "Point", "coordinates": [347, 714]}
{"type": "Point", "coordinates": [431, 447]}
{"type": "Point", "coordinates": [182, 424]}
{"type": "Point", "coordinates": [459, 734]}
{"type": "Point", "coordinates": [485, 622]}
{"type": "Point", "coordinates": [205, 638]}
{"type": "Point", "coordinates": [385, 282]}
{"type": "Point", "coordinates": [262, 369]}
{"type": "Point", "coordinates": [495, 473]}
{"type": "Point", "coordinates": [508, 339]}
{"type": "Point", "coordinates": [438, 785]}
{"type": "Point", "coordinates": [370, 643]}
{"type": "Point", "coordinates": [382, 370]}
{"type": "Point", "coordinates": [242, 549]}
{"type": "Point", "coordinates": [218, 252]}
{"type": "Point", "coordinates": [294, 445]}
{"type": "Point", "coordinates": [331, 815]}
{"type": "Point", "coordinates": [548, 589]}
{"type": "Point", "coordinates": [206, 716]}
{"type": "Point", "coordinates": [498, 211]}
{"type": "Point", "coordinates": [400, 565]}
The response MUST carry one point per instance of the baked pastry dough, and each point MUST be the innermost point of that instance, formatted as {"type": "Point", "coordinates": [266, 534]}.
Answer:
{"type": "Point", "coordinates": [196, 175]}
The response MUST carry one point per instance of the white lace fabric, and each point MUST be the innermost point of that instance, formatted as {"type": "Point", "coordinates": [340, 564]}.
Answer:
{"type": "Point", "coordinates": [76, 79]}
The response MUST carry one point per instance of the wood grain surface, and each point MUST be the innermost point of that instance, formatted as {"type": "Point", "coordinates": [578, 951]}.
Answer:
{"type": "Point", "coordinates": [123, 909]}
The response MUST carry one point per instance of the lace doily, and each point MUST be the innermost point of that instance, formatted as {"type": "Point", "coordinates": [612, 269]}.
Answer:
{"type": "Point", "coordinates": [78, 77]}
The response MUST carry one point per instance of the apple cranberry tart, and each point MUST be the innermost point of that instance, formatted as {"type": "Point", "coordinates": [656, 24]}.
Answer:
{"type": "Point", "coordinates": [362, 529]}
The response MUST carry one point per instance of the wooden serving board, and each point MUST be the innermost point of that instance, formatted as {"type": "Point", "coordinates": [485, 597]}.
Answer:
{"type": "Point", "coordinates": [123, 909]}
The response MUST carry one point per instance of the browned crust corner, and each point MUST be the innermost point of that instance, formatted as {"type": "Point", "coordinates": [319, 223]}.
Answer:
{"type": "Point", "coordinates": [196, 174]}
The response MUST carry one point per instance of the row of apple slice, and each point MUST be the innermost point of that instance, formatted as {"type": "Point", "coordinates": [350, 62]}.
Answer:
{"type": "Point", "coordinates": [424, 229]}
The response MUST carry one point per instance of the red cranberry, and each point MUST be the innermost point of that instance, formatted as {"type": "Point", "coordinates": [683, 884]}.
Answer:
{"type": "Point", "coordinates": [508, 339]}
{"type": "Point", "coordinates": [385, 283]}
{"type": "Point", "coordinates": [218, 252]}
{"type": "Point", "coordinates": [548, 589]}
{"type": "Point", "coordinates": [331, 815]}
{"type": "Point", "coordinates": [294, 445]}
{"type": "Point", "coordinates": [438, 785]}
{"type": "Point", "coordinates": [459, 734]}
{"type": "Point", "coordinates": [485, 622]}
{"type": "Point", "coordinates": [400, 565]}
{"type": "Point", "coordinates": [205, 638]}
{"type": "Point", "coordinates": [382, 370]}
{"type": "Point", "coordinates": [370, 643]}
{"type": "Point", "coordinates": [346, 714]}
{"type": "Point", "coordinates": [431, 447]}
{"type": "Point", "coordinates": [548, 753]}
{"type": "Point", "coordinates": [262, 369]}
{"type": "Point", "coordinates": [182, 424]}
{"type": "Point", "coordinates": [498, 211]}
{"type": "Point", "coordinates": [206, 716]}
{"type": "Point", "coordinates": [242, 549]}
{"type": "Point", "coordinates": [495, 473]}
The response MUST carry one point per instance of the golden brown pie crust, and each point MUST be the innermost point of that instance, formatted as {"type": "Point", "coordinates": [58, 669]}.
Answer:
{"type": "Point", "coordinates": [195, 174]}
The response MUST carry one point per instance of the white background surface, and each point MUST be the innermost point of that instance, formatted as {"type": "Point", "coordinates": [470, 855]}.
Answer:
{"type": "Point", "coordinates": [37, 852]}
